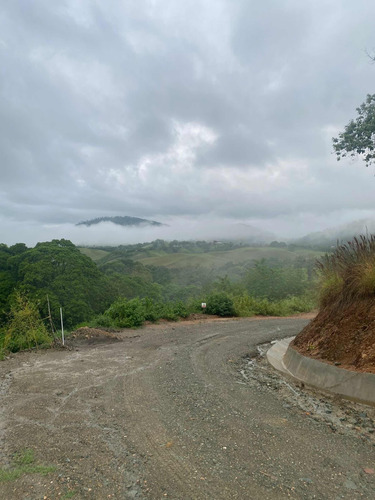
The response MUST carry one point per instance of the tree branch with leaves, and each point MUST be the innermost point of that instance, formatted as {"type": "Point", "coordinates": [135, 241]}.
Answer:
{"type": "Point", "coordinates": [358, 137]}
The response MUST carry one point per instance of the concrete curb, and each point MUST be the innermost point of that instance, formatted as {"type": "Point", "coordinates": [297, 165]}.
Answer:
{"type": "Point", "coordinates": [349, 384]}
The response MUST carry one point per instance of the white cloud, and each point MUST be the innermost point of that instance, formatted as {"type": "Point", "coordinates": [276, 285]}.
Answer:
{"type": "Point", "coordinates": [190, 109]}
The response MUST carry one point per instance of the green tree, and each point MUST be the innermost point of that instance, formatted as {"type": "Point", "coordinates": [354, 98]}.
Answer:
{"type": "Point", "coordinates": [275, 283]}
{"type": "Point", "coordinates": [358, 137]}
{"type": "Point", "coordinates": [7, 282]}
{"type": "Point", "coordinates": [70, 279]}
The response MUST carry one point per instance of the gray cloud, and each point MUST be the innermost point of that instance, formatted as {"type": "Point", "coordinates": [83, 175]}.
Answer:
{"type": "Point", "coordinates": [163, 109]}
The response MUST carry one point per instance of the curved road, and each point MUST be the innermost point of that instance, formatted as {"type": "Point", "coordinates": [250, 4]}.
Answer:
{"type": "Point", "coordinates": [164, 414]}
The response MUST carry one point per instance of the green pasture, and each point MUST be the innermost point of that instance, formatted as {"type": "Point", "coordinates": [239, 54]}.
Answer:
{"type": "Point", "coordinates": [220, 258]}
{"type": "Point", "coordinates": [94, 253]}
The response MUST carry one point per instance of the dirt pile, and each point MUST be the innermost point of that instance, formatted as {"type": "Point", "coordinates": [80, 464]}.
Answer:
{"type": "Point", "coordinates": [342, 335]}
{"type": "Point", "coordinates": [92, 336]}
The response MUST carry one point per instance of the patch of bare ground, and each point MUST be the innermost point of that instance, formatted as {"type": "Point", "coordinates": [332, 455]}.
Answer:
{"type": "Point", "coordinates": [343, 335]}
{"type": "Point", "coordinates": [86, 335]}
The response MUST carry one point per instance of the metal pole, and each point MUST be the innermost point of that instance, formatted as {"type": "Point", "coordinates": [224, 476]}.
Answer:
{"type": "Point", "coordinates": [62, 327]}
{"type": "Point", "coordinates": [50, 318]}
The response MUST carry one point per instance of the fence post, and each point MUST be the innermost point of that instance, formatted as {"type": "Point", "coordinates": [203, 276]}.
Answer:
{"type": "Point", "coordinates": [62, 327]}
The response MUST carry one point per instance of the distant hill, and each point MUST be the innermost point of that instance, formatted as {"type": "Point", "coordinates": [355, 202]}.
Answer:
{"type": "Point", "coordinates": [329, 237]}
{"type": "Point", "coordinates": [188, 254]}
{"type": "Point", "coordinates": [218, 259]}
{"type": "Point", "coordinates": [251, 234]}
{"type": "Point", "coordinates": [121, 221]}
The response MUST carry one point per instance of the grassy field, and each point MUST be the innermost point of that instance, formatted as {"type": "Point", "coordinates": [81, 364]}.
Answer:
{"type": "Point", "coordinates": [93, 253]}
{"type": "Point", "coordinates": [219, 258]}
{"type": "Point", "coordinates": [215, 258]}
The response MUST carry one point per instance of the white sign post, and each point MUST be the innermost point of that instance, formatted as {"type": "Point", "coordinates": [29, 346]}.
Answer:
{"type": "Point", "coordinates": [204, 305]}
{"type": "Point", "coordinates": [62, 327]}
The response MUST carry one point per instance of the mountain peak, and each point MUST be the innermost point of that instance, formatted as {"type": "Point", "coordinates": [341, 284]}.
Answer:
{"type": "Point", "coordinates": [124, 220]}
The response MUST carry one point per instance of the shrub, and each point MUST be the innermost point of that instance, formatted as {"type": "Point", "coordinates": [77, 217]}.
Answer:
{"type": "Point", "coordinates": [126, 313]}
{"type": "Point", "coordinates": [25, 329]}
{"type": "Point", "coordinates": [194, 304]}
{"type": "Point", "coordinates": [133, 313]}
{"type": "Point", "coordinates": [220, 304]}
{"type": "Point", "coordinates": [169, 313]}
{"type": "Point", "coordinates": [102, 320]}
{"type": "Point", "coordinates": [152, 310]}
{"type": "Point", "coordinates": [245, 305]}
{"type": "Point", "coordinates": [301, 304]}
{"type": "Point", "coordinates": [181, 309]}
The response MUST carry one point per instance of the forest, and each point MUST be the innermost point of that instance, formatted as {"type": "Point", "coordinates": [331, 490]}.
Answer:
{"type": "Point", "coordinates": [119, 287]}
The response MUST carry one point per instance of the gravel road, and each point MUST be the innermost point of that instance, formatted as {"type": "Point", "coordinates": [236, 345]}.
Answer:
{"type": "Point", "coordinates": [179, 411]}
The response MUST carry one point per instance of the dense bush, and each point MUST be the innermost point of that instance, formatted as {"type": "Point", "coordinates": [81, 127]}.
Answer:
{"type": "Point", "coordinates": [220, 304]}
{"type": "Point", "coordinates": [180, 309]}
{"type": "Point", "coordinates": [124, 313]}
{"type": "Point", "coordinates": [152, 310]}
{"type": "Point", "coordinates": [172, 311]}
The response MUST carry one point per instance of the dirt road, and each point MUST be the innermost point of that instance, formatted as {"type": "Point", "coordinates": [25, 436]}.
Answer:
{"type": "Point", "coordinates": [166, 413]}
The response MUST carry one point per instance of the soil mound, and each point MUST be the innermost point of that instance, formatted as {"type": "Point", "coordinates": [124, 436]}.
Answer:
{"type": "Point", "coordinates": [93, 336]}
{"type": "Point", "coordinates": [342, 335]}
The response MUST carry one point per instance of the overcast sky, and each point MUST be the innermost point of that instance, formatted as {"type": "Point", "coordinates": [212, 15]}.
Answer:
{"type": "Point", "coordinates": [193, 111]}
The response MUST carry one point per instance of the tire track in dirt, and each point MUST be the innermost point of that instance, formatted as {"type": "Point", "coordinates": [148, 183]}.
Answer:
{"type": "Point", "coordinates": [166, 415]}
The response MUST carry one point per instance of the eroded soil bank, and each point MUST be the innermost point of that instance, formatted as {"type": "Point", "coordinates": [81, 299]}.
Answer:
{"type": "Point", "coordinates": [342, 335]}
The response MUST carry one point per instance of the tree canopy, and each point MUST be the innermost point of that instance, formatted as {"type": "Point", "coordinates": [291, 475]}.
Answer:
{"type": "Point", "coordinates": [57, 269]}
{"type": "Point", "coordinates": [358, 137]}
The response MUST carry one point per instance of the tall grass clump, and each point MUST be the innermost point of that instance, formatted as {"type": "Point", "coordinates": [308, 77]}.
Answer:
{"type": "Point", "coordinates": [348, 273]}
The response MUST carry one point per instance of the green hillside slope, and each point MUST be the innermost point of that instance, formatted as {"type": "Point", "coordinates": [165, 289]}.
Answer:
{"type": "Point", "coordinates": [220, 258]}
{"type": "Point", "coordinates": [94, 253]}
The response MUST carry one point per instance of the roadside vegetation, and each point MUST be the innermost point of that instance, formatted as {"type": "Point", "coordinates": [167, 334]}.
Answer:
{"type": "Point", "coordinates": [123, 288]}
{"type": "Point", "coordinates": [348, 273]}
{"type": "Point", "coordinates": [343, 332]}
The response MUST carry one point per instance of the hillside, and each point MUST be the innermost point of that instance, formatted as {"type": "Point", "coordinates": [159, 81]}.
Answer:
{"type": "Point", "coordinates": [221, 258]}
{"type": "Point", "coordinates": [329, 237]}
{"type": "Point", "coordinates": [181, 254]}
{"type": "Point", "coordinates": [200, 263]}
{"type": "Point", "coordinates": [94, 253]}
